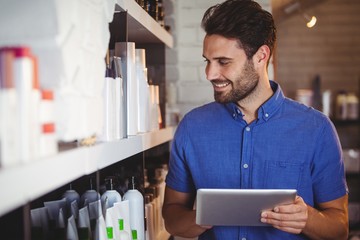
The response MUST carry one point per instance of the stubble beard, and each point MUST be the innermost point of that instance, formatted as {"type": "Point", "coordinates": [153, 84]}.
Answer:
{"type": "Point", "coordinates": [243, 87]}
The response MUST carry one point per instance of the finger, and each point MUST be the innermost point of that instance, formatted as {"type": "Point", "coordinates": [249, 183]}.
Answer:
{"type": "Point", "coordinates": [291, 208]}
{"type": "Point", "coordinates": [298, 206]}
{"type": "Point", "coordinates": [206, 226]}
{"type": "Point", "coordinates": [284, 224]}
{"type": "Point", "coordinates": [289, 229]}
{"type": "Point", "coordinates": [293, 217]}
{"type": "Point", "coordinates": [299, 199]}
{"type": "Point", "coordinates": [276, 222]}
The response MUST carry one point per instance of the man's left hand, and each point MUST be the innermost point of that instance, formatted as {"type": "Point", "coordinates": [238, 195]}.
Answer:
{"type": "Point", "coordinates": [290, 218]}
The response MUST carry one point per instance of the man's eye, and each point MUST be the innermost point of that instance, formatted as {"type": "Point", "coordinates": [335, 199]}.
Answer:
{"type": "Point", "coordinates": [223, 62]}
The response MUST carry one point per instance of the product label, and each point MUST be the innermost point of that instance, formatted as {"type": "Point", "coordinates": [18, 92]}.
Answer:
{"type": "Point", "coordinates": [110, 232]}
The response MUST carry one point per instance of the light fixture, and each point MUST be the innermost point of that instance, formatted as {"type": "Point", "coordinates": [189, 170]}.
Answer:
{"type": "Point", "coordinates": [310, 21]}
{"type": "Point", "coordinates": [295, 6]}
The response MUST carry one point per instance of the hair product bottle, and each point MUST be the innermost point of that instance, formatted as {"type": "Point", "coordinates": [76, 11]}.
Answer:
{"type": "Point", "coordinates": [110, 196]}
{"type": "Point", "coordinates": [89, 195]}
{"type": "Point", "coordinates": [136, 202]}
{"type": "Point", "coordinates": [71, 195]}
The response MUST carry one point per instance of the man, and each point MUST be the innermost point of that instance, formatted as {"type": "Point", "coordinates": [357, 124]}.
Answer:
{"type": "Point", "coordinates": [254, 137]}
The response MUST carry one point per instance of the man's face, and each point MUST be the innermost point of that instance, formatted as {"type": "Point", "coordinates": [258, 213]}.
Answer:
{"type": "Point", "coordinates": [232, 75]}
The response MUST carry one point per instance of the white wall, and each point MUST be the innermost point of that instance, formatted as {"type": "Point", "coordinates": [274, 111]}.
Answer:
{"type": "Point", "coordinates": [185, 64]}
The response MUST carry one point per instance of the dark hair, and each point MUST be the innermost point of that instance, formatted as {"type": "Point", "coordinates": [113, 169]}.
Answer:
{"type": "Point", "coordinates": [243, 20]}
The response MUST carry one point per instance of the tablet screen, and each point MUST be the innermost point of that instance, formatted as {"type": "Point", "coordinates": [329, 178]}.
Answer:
{"type": "Point", "coordinates": [238, 207]}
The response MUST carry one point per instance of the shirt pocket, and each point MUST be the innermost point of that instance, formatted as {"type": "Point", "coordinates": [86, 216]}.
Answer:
{"type": "Point", "coordinates": [283, 175]}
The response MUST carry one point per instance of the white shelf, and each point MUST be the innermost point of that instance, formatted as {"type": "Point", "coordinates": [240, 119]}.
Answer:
{"type": "Point", "coordinates": [24, 183]}
{"type": "Point", "coordinates": [142, 27]}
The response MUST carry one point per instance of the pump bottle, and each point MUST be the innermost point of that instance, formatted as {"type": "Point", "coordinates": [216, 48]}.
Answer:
{"type": "Point", "coordinates": [136, 203]}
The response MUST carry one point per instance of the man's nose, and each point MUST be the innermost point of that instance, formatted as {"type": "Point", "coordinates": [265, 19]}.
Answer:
{"type": "Point", "coordinates": [212, 72]}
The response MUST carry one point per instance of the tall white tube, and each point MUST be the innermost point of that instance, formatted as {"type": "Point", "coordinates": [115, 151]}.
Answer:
{"type": "Point", "coordinates": [136, 202]}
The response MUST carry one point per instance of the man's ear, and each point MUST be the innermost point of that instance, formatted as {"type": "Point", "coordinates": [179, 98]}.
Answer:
{"type": "Point", "coordinates": [262, 55]}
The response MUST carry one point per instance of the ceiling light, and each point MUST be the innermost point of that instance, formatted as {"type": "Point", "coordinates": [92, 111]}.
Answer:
{"type": "Point", "coordinates": [310, 21]}
{"type": "Point", "coordinates": [295, 6]}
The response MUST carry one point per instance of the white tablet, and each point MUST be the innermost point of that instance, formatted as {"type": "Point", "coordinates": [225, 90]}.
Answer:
{"type": "Point", "coordinates": [238, 207]}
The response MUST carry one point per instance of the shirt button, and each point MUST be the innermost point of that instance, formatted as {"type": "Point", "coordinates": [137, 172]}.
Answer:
{"type": "Point", "coordinates": [234, 115]}
{"type": "Point", "coordinates": [266, 115]}
{"type": "Point", "coordinates": [245, 165]}
{"type": "Point", "coordinates": [243, 239]}
{"type": "Point", "coordinates": [247, 129]}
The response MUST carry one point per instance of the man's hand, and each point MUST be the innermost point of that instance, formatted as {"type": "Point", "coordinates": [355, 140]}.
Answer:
{"type": "Point", "coordinates": [290, 218]}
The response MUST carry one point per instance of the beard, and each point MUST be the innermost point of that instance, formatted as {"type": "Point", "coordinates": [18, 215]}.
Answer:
{"type": "Point", "coordinates": [243, 86]}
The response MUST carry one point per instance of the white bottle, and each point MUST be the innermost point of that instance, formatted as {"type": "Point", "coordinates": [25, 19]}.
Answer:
{"type": "Point", "coordinates": [119, 131]}
{"type": "Point", "coordinates": [149, 214]}
{"type": "Point", "coordinates": [341, 106]}
{"type": "Point", "coordinates": [352, 106]}
{"type": "Point", "coordinates": [89, 196]}
{"type": "Point", "coordinates": [109, 225]}
{"type": "Point", "coordinates": [327, 104]}
{"type": "Point", "coordinates": [108, 128]}
{"type": "Point", "coordinates": [153, 190]}
{"type": "Point", "coordinates": [154, 108]}
{"type": "Point", "coordinates": [9, 130]}
{"type": "Point", "coordinates": [28, 100]}
{"type": "Point", "coordinates": [71, 195]}
{"type": "Point", "coordinates": [110, 196]}
{"type": "Point", "coordinates": [143, 91]}
{"type": "Point", "coordinates": [126, 50]}
{"type": "Point", "coordinates": [137, 218]}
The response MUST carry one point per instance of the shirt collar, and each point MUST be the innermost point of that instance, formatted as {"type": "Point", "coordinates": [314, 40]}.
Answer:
{"type": "Point", "coordinates": [267, 110]}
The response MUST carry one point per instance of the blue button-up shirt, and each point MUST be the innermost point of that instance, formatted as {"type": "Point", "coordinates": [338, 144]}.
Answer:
{"type": "Point", "coordinates": [289, 145]}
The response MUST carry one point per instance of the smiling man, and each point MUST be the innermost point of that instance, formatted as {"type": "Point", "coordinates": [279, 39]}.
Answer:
{"type": "Point", "coordinates": [253, 137]}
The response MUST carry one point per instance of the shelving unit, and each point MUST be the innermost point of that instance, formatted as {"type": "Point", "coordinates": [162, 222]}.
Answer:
{"type": "Point", "coordinates": [25, 183]}
{"type": "Point", "coordinates": [37, 178]}
{"type": "Point", "coordinates": [141, 27]}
